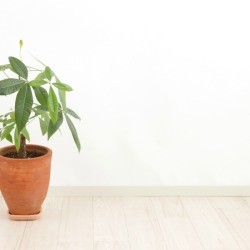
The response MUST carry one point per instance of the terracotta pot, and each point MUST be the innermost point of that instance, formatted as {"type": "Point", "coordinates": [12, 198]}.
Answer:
{"type": "Point", "coordinates": [24, 182]}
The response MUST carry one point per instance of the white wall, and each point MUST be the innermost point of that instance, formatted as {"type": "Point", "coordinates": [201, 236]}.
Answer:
{"type": "Point", "coordinates": [163, 87]}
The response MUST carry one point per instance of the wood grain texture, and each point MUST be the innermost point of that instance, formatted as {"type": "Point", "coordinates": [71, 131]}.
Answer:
{"type": "Point", "coordinates": [143, 227]}
{"type": "Point", "coordinates": [235, 214]}
{"type": "Point", "coordinates": [110, 245]}
{"type": "Point", "coordinates": [177, 228]}
{"type": "Point", "coordinates": [132, 223]}
{"type": "Point", "coordinates": [110, 231]}
{"type": "Point", "coordinates": [11, 232]}
{"type": "Point", "coordinates": [43, 233]}
{"type": "Point", "coordinates": [76, 226]}
{"type": "Point", "coordinates": [213, 233]}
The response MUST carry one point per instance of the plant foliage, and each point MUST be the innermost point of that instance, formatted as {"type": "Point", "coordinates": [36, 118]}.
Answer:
{"type": "Point", "coordinates": [42, 97]}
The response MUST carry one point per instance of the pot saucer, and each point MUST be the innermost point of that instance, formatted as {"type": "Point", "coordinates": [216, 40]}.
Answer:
{"type": "Point", "coordinates": [24, 217]}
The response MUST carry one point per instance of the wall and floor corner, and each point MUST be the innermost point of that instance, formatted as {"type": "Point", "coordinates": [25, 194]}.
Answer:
{"type": "Point", "coordinates": [162, 88]}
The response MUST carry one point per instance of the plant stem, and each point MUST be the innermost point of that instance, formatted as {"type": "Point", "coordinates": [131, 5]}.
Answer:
{"type": "Point", "coordinates": [22, 153]}
{"type": "Point", "coordinates": [34, 68]}
{"type": "Point", "coordinates": [5, 73]}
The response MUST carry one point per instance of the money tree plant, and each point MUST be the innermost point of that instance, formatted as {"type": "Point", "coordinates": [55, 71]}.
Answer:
{"type": "Point", "coordinates": [39, 95]}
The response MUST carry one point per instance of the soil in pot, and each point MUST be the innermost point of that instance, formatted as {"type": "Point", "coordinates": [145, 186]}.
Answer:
{"type": "Point", "coordinates": [29, 154]}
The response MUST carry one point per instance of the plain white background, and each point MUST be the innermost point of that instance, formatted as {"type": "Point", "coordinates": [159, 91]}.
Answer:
{"type": "Point", "coordinates": [163, 87]}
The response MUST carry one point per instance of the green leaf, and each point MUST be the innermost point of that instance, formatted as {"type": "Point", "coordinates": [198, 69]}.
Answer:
{"type": "Point", "coordinates": [9, 138]}
{"type": "Point", "coordinates": [44, 124]}
{"type": "Point", "coordinates": [73, 113]}
{"type": "Point", "coordinates": [23, 106]}
{"type": "Point", "coordinates": [73, 132]}
{"type": "Point", "coordinates": [25, 133]}
{"type": "Point", "coordinates": [41, 108]}
{"type": "Point", "coordinates": [54, 127]}
{"type": "Point", "coordinates": [17, 139]}
{"type": "Point", "coordinates": [62, 86]}
{"type": "Point", "coordinates": [37, 83]}
{"type": "Point", "coordinates": [40, 76]}
{"type": "Point", "coordinates": [41, 95]}
{"type": "Point", "coordinates": [18, 67]}
{"type": "Point", "coordinates": [62, 97]}
{"type": "Point", "coordinates": [7, 130]}
{"type": "Point", "coordinates": [8, 121]}
{"type": "Point", "coordinates": [53, 105]}
{"type": "Point", "coordinates": [12, 115]}
{"type": "Point", "coordinates": [4, 67]}
{"type": "Point", "coordinates": [48, 73]}
{"type": "Point", "coordinates": [43, 127]}
{"type": "Point", "coordinates": [61, 93]}
{"type": "Point", "coordinates": [57, 79]}
{"type": "Point", "coordinates": [10, 85]}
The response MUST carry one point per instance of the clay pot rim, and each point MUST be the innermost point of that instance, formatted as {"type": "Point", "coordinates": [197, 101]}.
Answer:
{"type": "Point", "coordinates": [8, 149]}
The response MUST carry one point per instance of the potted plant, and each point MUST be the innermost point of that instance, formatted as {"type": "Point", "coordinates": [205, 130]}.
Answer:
{"type": "Point", "coordinates": [25, 168]}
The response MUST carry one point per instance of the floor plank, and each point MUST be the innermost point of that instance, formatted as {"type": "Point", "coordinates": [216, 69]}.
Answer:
{"type": "Point", "coordinates": [11, 232]}
{"type": "Point", "coordinates": [235, 213]}
{"type": "Point", "coordinates": [178, 230]}
{"type": "Point", "coordinates": [143, 227]}
{"type": "Point", "coordinates": [76, 227]}
{"type": "Point", "coordinates": [132, 223]}
{"type": "Point", "coordinates": [110, 231]}
{"type": "Point", "coordinates": [111, 245]}
{"type": "Point", "coordinates": [42, 234]}
{"type": "Point", "coordinates": [211, 230]}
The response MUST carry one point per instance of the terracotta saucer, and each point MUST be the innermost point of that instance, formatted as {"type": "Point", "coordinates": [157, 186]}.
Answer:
{"type": "Point", "coordinates": [24, 217]}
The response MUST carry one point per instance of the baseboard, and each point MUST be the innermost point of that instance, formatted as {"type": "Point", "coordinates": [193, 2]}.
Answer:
{"type": "Point", "coordinates": [59, 191]}
{"type": "Point", "coordinates": [149, 191]}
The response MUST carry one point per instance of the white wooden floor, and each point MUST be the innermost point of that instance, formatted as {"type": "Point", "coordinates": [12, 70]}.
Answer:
{"type": "Point", "coordinates": [132, 223]}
